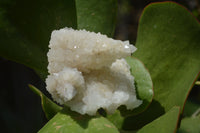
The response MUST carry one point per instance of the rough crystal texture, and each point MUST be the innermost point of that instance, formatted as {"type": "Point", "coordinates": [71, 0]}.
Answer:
{"type": "Point", "coordinates": [88, 71]}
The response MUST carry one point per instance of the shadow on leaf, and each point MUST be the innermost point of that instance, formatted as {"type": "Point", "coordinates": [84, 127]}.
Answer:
{"type": "Point", "coordinates": [136, 122]}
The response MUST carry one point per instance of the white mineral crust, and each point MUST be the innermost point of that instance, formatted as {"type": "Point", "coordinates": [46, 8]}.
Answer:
{"type": "Point", "coordinates": [87, 71]}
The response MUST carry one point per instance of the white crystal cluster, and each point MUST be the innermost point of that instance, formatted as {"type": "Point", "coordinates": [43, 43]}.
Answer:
{"type": "Point", "coordinates": [87, 71]}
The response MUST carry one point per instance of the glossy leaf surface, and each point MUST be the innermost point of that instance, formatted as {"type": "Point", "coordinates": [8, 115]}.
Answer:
{"type": "Point", "coordinates": [97, 15]}
{"type": "Point", "coordinates": [169, 45]}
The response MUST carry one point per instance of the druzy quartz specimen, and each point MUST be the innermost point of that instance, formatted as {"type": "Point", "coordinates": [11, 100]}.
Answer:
{"type": "Point", "coordinates": [87, 71]}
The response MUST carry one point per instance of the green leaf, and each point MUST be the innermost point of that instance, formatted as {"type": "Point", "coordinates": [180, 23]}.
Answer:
{"type": "Point", "coordinates": [190, 125]}
{"type": "Point", "coordinates": [167, 123]}
{"type": "Point", "coordinates": [169, 48]}
{"type": "Point", "coordinates": [97, 15]}
{"type": "Point", "coordinates": [26, 26]}
{"type": "Point", "coordinates": [169, 45]}
{"type": "Point", "coordinates": [67, 121]}
{"type": "Point", "coordinates": [49, 107]}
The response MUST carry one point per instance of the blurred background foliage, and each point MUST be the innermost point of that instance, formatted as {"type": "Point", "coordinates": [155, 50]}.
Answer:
{"type": "Point", "coordinates": [20, 108]}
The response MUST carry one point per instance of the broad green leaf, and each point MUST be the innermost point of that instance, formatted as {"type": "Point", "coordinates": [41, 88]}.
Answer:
{"type": "Point", "coordinates": [26, 26]}
{"type": "Point", "coordinates": [190, 125]}
{"type": "Point", "coordinates": [167, 123]}
{"type": "Point", "coordinates": [49, 107]}
{"type": "Point", "coordinates": [169, 48]}
{"type": "Point", "coordinates": [67, 121]}
{"type": "Point", "coordinates": [144, 90]}
{"type": "Point", "coordinates": [169, 45]}
{"type": "Point", "coordinates": [97, 15]}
